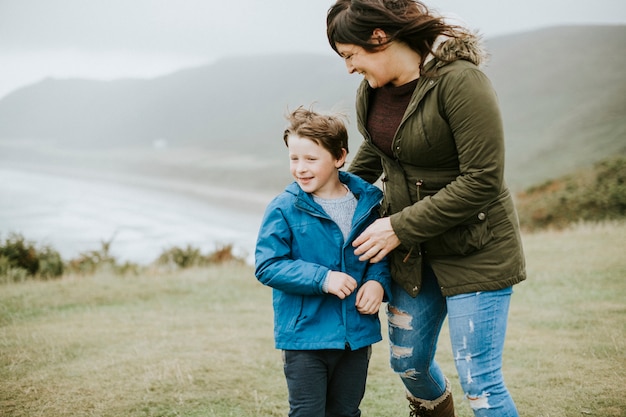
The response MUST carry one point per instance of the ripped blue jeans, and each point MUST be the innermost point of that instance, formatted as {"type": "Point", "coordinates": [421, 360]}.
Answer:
{"type": "Point", "coordinates": [477, 323]}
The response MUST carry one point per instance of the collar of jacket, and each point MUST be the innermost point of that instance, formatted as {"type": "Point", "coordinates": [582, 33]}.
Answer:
{"type": "Point", "coordinates": [465, 45]}
{"type": "Point", "coordinates": [424, 85]}
{"type": "Point", "coordinates": [367, 194]}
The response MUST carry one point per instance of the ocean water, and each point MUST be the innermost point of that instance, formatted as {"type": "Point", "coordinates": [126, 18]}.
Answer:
{"type": "Point", "coordinates": [75, 215]}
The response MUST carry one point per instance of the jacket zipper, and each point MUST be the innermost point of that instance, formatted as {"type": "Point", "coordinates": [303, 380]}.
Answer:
{"type": "Point", "coordinates": [419, 184]}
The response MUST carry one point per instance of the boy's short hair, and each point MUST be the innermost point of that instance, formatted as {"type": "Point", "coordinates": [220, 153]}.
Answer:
{"type": "Point", "coordinates": [327, 130]}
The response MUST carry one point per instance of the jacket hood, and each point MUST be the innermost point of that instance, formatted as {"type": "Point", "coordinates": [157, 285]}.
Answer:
{"type": "Point", "coordinates": [464, 45]}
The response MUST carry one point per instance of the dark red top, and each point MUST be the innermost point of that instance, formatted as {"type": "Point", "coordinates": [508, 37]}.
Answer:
{"type": "Point", "coordinates": [386, 109]}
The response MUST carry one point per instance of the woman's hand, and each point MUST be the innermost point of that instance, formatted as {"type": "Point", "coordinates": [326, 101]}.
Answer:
{"type": "Point", "coordinates": [376, 241]}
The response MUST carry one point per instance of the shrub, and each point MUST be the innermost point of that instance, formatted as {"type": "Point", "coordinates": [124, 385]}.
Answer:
{"type": "Point", "coordinates": [181, 257]}
{"type": "Point", "coordinates": [192, 257]}
{"type": "Point", "coordinates": [20, 260]}
{"type": "Point", "coordinates": [9, 272]}
{"type": "Point", "coordinates": [223, 254]}
{"type": "Point", "coordinates": [20, 253]}
{"type": "Point", "coordinates": [50, 263]}
{"type": "Point", "coordinates": [94, 261]}
{"type": "Point", "coordinates": [596, 194]}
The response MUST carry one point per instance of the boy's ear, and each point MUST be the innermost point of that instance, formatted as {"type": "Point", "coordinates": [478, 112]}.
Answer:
{"type": "Point", "coordinates": [342, 160]}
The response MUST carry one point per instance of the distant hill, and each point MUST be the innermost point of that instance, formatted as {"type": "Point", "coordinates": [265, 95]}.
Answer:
{"type": "Point", "coordinates": [233, 103]}
{"type": "Point", "coordinates": [563, 96]}
{"type": "Point", "coordinates": [594, 194]}
{"type": "Point", "coordinates": [562, 90]}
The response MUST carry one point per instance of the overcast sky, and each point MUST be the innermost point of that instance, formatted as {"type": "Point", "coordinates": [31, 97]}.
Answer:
{"type": "Point", "coordinates": [107, 39]}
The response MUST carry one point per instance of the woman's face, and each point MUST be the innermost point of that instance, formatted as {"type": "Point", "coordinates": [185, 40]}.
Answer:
{"type": "Point", "coordinates": [373, 66]}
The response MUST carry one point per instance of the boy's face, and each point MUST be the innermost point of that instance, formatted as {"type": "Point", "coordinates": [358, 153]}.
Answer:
{"type": "Point", "coordinates": [312, 166]}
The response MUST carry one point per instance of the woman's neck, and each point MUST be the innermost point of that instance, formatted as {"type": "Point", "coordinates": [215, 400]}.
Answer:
{"type": "Point", "coordinates": [406, 63]}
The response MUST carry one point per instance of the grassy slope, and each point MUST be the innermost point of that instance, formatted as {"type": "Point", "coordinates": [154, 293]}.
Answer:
{"type": "Point", "coordinates": [199, 342]}
{"type": "Point", "coordinates": [591, 194]}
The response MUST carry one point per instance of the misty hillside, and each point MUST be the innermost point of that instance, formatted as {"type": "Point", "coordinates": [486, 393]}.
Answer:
{"type": "Point", "coordinates": [234, 102]}
{"type": "Point", "coordinates": [562, 90]}
{"type": "Point", "coordinates": [563, 96]}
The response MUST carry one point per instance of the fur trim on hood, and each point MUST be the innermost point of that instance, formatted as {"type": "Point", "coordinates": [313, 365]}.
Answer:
{"type": "Point", "coordinates": [465, 45]}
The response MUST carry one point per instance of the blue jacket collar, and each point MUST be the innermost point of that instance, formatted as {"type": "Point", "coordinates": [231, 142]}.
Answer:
{"type": "Point", "coordinates": [367, 194]}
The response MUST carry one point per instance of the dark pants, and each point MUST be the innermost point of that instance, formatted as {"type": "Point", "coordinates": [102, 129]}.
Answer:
{"type": "Point", "coordinates": [326, 383]}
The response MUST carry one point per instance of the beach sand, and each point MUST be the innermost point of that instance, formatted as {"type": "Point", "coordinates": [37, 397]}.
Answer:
{"type": "Point", "coordinates": [73, 200]}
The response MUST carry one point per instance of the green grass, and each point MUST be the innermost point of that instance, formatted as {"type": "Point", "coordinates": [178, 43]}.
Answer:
{"type": "Point", "coordinates": [199, 342]}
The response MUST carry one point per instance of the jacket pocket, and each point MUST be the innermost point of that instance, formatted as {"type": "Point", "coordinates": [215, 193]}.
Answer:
{"type": "Point", "coordinates": [288, 308]}
{"type": "Point", "coordinates": [464, 239]}
{"type": "Point", "coordinates": [405, 265]}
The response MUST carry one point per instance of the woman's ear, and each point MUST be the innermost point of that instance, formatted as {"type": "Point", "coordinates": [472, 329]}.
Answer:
{"type": "Point", "coordinates": [379, 37]}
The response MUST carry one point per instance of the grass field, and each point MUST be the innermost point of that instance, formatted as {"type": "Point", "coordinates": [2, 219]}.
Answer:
{"type": "Point", "coordinates": [199, 342]}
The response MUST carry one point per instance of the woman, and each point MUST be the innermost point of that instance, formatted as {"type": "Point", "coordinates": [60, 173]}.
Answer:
{"type": "Point", "coordinates": [433, 131]}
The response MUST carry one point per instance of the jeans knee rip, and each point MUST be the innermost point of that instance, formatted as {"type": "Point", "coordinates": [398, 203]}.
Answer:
{"type": "Point", "coordinates": [400, 352]}
{"type": "Point", "coordinates": [409, 374]}
{"type": "Point", "coordinates": [478, 401]}
{"type": "Point", "coordinates": [399, 319]}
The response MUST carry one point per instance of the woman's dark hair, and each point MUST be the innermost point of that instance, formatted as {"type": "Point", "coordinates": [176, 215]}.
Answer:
{"type": "Point", "coordinates": [328, 131]}
{"type": "Point", "coordinates": [407, 21]}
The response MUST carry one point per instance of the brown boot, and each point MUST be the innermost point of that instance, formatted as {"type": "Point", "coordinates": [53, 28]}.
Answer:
{"type": "Point", "coordinates": [440, 407]}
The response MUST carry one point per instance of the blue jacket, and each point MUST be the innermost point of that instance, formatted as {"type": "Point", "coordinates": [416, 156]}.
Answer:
{"type": "Point", "coordinates": [298, 244]}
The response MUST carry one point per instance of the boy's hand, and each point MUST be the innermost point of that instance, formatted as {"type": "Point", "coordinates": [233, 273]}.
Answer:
{"type": "Point", "coordinates": [369, 297]}
{"type": "Point", "coordinates": [340, 284]}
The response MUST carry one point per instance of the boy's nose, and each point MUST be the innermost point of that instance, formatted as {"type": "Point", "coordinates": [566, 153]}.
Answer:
{"type": "Point", "coordinates": [300, 167]}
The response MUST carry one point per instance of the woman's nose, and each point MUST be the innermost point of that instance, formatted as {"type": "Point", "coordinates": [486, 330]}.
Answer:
{"type": "Point", "coordinates": [350, 67]}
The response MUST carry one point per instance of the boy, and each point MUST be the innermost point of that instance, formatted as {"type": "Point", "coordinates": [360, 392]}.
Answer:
{"type": "Point", "coordinates": [325, 300]}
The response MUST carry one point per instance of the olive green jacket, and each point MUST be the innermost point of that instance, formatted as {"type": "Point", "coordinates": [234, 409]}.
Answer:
{"type": "Point", "coordinates": [444, 188]}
